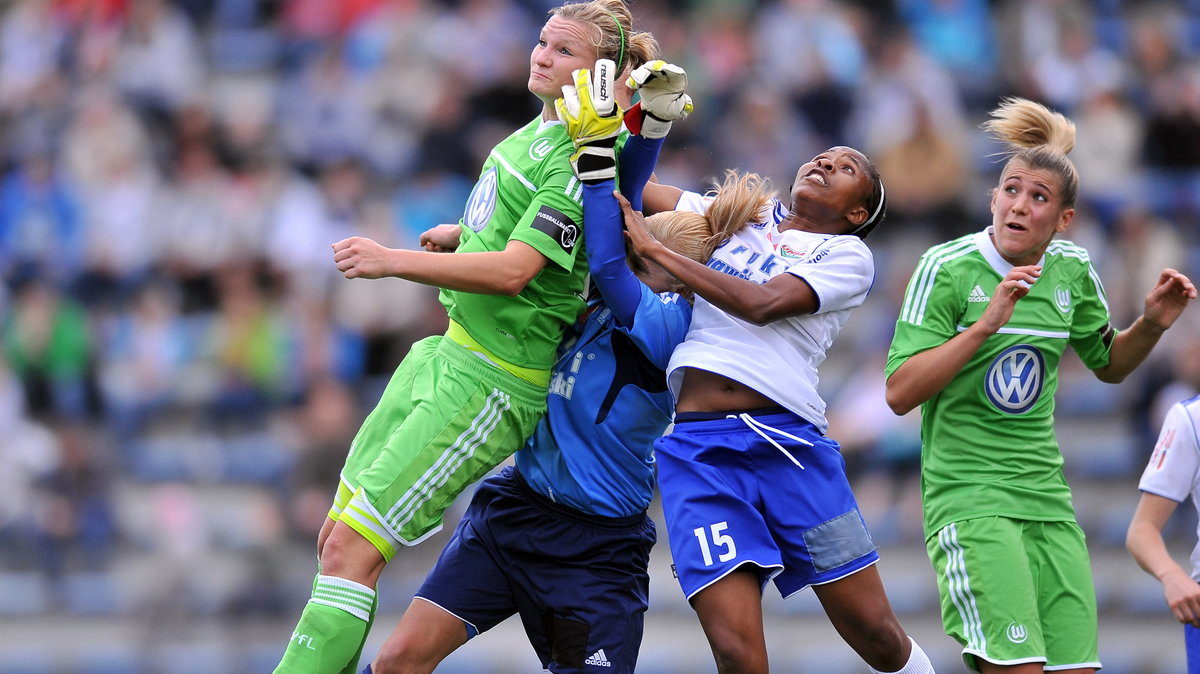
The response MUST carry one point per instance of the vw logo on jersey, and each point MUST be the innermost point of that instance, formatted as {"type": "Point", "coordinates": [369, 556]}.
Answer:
{"type": "Point", "coordinates": [539, 148]}
{"type": "Point", "coordinates": [482, 202]}
{"type": "Point", "coordinates": [1014, 381]}
{"type": "Point", "coordinates": [1062, 299]}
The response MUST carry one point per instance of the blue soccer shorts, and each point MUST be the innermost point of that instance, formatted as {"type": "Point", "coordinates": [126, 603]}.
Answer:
{"type": "Point", "coordinates": [579, 582]}
{"type": "Point", "coordinates": [764, 489]}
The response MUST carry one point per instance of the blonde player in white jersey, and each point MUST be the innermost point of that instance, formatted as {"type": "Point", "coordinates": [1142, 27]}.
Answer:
{"type": "Point", "coordinates": [1171, 477]}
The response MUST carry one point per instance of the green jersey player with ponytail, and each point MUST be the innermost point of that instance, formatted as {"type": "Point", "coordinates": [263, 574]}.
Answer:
{"type": "Point", "coordinates": [984, 323]}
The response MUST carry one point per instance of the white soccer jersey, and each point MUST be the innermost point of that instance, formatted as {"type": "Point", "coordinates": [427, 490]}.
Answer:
{"type": "Point", "coordinates": [1174, 468]}
{"type": "Point", "coordinates": [780, 359]}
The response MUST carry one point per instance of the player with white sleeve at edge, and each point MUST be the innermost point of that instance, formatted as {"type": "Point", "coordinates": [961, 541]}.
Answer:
{"type": "Point", "coordinates": [1171, 477]}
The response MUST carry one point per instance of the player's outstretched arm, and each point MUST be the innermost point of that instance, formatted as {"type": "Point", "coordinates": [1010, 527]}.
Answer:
{"type": "Point", "coordinates": [589, 111]}
{"type": "Point", "coordinates": [504, 272]}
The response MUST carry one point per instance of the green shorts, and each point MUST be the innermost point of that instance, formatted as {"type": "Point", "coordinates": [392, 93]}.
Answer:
{"type": "Point", "coordinates": [1016, 591]}
{"type": "Point", "coordinates": [444, 421]}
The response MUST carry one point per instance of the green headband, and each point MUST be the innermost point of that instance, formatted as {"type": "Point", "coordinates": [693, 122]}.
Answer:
{"type": "Point", "coordinates": [621, 54]}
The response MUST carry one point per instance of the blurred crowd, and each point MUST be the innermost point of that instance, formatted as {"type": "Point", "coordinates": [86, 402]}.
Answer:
{"type": "Point", "coordinates": [172, 174]}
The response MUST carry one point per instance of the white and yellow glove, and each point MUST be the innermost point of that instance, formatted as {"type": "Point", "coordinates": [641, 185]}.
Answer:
{"type": "Point", "coordinates": [590, 112]}
{"type": "Point", "coordinates": [661, 86]}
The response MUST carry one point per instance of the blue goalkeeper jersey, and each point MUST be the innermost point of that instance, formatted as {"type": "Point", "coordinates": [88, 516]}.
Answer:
{"type": "Point", "coordinates": [608, 402]}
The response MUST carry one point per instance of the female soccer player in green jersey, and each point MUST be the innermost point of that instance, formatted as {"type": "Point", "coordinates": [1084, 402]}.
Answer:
{"type": "Point", "coordinates": [985, 320]}
{"type": "Point", "coordinates": [462, 402]}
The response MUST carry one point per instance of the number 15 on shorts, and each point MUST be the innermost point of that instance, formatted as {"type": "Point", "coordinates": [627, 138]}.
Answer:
{"type": "Point", "coordinates": [719, 540]}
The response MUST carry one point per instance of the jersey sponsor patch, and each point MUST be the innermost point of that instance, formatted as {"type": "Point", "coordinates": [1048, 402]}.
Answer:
{"type": "Point", "coordinates": [558, 226]}
{"type": "Point", "coordinates": [1015, 378]}
{"type": "Point", "coordinates": [790, 252]}
{"type": "Point", "coordinates": [482, 202]}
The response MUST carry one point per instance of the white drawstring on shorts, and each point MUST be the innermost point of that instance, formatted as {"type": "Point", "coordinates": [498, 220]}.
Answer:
{"type": "Point", "coordinates": [758, 427]}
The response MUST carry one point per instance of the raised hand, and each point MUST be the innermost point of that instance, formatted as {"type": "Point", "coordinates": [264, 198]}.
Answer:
{"type": "Point", "coordinates": [661, 86]}
{"type": "Point", "coordinates": [1015, 285]}
{"type": "Point", "coordinates": [1167, 300]}
{"type": "Point", "coordinates": [589, 110]}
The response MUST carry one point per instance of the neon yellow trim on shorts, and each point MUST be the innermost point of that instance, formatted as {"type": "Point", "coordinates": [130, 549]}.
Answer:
{"type": "Point", "coordinates": [367, 525]}
{"type": "Point", "coordinates": [344, 493]}
{"type": "Point", "coordinates": [458, 334]}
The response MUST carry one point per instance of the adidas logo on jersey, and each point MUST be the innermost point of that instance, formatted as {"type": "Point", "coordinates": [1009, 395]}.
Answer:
{"type": "Point", "coordinates": [598, 659]}
{"type": "Point", "coordinates": [977, 295]}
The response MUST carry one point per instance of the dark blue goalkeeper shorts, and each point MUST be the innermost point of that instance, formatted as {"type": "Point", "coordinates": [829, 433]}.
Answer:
{"type": "Point", "coordinates": [578, 581]}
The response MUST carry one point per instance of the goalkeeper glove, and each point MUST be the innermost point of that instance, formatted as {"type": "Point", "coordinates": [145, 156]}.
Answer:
{"type": "Point", "coordinates": [593, 119]}
{"type": "Point", "coordinates": [661, 86]}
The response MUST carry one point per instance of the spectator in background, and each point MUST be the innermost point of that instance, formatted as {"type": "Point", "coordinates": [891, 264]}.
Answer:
{"type": "Point", "coordinates": [1139, 243]}
{"type": "Point", "coordinates": [157, 63]}
{"type": "Point", "coordinates": [940, 26]}
{"type": "Point", "coordinates": [41, 231]}
{"type": "Point", "coordinates": [47, 342]}
{"type": "Point", "coordinates": [1110, 141]}
{"type": "Point", "coordinates": [245, 347]}
{"type": "Point", "coordinates": [30, 452]}
{"type": "Point", "coordinates": [33, 36]}
{"type": "Point", "coordinates": [1078, 68]}
{"type": "Point", "coordinates": [107, 154]}
{"type": "Point", "coordinates": [141, 361]}
{"type": "Point", "coordinates": [900, 84]}
{"type": "Point", "coordinates": [322, 113]}
{"type": "Point", "coordinates": [823, 63]}
{"type": "Point", "coordinates": [927, 172]}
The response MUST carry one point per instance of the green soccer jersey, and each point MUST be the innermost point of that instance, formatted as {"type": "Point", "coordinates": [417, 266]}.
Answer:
{"type": "Point", "coordinates": [988, 443]}
{"type": "Point", "coordinates": [526, 192]}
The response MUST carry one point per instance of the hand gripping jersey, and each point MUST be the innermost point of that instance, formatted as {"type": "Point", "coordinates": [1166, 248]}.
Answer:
{"type": "Point", "coordinates": [779, 360]}
{"type": "Point", "coordinates": [526, 192]}
{"type": "Point", "coordinates": [988, 444]}
{"type": "Point", "coordinates": [1174, 468]}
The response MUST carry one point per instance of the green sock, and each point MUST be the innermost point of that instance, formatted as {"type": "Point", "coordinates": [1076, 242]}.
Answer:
{"type": "Point", "coordinates": [352, 667]}
{"type": "Point", "coordinates": [331, 630]}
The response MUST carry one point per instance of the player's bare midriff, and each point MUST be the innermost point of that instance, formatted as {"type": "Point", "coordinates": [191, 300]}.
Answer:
{"type": "Point", "coordinates": [704, 391]}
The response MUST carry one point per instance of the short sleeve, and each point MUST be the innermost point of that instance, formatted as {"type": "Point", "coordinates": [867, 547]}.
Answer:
{"type": "Point", "coordinates": [840, 270]}
{"type": "Point", "coordinates": [1091, 332]}
{"type": "Point", "coordinates": [552, 223]}
{"type": "Point", "coordinates": [1173, 466]}
{"type": "Point", "coordinates": [929, 314]}
{"type": "Point", "coordinates": [660, 324]}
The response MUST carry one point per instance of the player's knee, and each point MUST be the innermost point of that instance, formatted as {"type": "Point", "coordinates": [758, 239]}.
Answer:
{"type": "Point", "coordinates": [883, 643]}
{"type": "Point", "coordinates": [352, 557]}
{"type": "Point", "coordinates": [736, 655]}
{"type": "Point", "coordinates": [403, 655]}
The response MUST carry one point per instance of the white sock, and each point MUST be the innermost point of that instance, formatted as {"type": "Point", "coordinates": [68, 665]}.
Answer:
{"type": "Point", "coordinates": [918, 662]}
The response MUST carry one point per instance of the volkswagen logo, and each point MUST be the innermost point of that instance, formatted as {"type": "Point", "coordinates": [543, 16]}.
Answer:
{"type": "Point", "coordinates": [482, 202]}
{"type": "Point", "coordinates": [1014, 380]}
